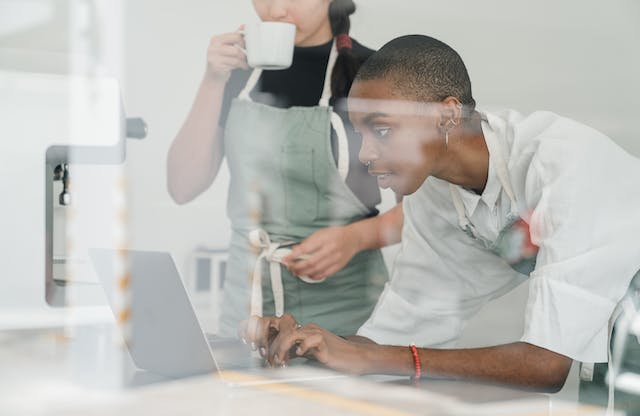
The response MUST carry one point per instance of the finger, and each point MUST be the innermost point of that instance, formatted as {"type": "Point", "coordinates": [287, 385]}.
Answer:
{"type": "Point", "coordinates": [310, 245]}
{"type": "Point", "coordinates": [327, 268]}
{"type": "Point", "coordinates": [317, 268]}
{"type": "Point", "coordinates": [227, 38]}
{"type": "Point", "coordinates": [293, 257]}
{"type": "Point", "coordinates": [295, 260]}
{"type": "Point", "coordinates": [242, 330]}
{"type": "Point", "coordinates": [226, 65]}
{"type": "Point", "coordinates": [279, 353]}
{"type": "Point", "coordinates": [286, 326]}
{"type": "Point", "coordinates": [226, 51]}
{"type": "Point", "coordinates": [306, 262]}
{"type": "Point", "coordinates": [310, 346]}
{"type": "Point", "coordinates": [299, 267]}
{"type": "Point", "coordinates": [257, 331]}
{"type": "Point", "coordinates": [331, 270]}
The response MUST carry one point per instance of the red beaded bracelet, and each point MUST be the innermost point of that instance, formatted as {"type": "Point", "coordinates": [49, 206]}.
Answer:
{"type": "Point", "coordinates": [416, 362]}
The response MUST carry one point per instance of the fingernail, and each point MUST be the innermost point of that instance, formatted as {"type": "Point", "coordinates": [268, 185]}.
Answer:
{"type": "Point", "coordinates": [276, 360]}
{"type": "Point", "coordinates": [263, 352]}
{"type": "Point", "coordinates": [283, 365]}
{"type": "Point", "coordinates": [253, 346]}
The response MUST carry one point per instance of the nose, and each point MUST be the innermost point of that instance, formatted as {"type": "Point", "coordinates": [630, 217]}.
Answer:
{"type": "Point", "coordinates": [368, 150]}
{"type": "Point", "coordinates": [277, 9]}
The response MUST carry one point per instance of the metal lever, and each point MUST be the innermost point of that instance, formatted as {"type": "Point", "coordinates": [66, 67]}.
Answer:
{"type": "Point", "coordinates": [61, 173]}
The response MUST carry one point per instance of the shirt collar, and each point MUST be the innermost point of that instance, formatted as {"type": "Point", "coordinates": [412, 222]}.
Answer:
{"type": "Point", "coordinates": [492, 188]}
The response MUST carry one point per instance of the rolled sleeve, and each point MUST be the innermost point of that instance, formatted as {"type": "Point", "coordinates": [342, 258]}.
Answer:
{"type": "Point", "coordinates": [588, 244]}
{"type": "Point", "coordinates": [567, 319]}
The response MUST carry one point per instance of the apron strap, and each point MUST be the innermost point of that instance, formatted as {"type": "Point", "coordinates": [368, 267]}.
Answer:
{"type": "Point", "coordinates": [343, 145]}
{"type": "Point", "coordinates": [496, 158]}
{"type": "Point", "coordinates": [250, 85]}
{"type": "Point", "coordinates": [273, 254]}
{"type": "Point", "coordinates": [463, 221]}
{"type": "Point", "coordinates": [336, 121]}
{"type": "Point", "coordinates": [326, 88]}
{"type": "Point", "coordinates": [500, 164]}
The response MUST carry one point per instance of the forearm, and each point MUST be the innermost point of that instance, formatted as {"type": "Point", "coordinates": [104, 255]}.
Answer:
{"type": "Point", "coordinates": [359, 340]}
{"type": "Point", "coordinates": [197, 151]}
{"type": "Point", "coordinates": [379, 231]}
{"type": "Point", "coordinates": [518, 364]}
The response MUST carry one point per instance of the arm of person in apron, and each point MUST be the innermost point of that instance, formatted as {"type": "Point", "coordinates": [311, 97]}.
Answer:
{"type": "Point", "coordinates": [327, 251]}
{"type": "Point", "coordinates": [197, 151]}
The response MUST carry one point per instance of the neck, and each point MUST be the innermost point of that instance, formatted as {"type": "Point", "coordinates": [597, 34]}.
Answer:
{"type": "Point", "coordinates": [319, 37]}
{"type": "Point", "coordinates": [466, 161]}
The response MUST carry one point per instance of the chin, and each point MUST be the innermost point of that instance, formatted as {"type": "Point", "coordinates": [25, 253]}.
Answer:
{"type": "Point", "coordinates": [404, 188]}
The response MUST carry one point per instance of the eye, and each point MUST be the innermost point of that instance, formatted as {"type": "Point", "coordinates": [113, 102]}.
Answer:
{"type": "Point", "coordinates": [381, 131]}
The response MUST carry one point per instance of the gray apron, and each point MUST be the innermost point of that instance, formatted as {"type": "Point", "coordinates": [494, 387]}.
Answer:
{"type": "Point", "coordinates": [285, 185]}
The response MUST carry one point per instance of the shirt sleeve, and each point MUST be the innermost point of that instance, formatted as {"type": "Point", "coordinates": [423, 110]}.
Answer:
{"type": "Point", "coordinates": [585, 223]}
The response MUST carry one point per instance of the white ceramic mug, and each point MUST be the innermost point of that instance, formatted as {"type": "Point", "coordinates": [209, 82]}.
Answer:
{"type": "Point", "coordinates": [269, 45]}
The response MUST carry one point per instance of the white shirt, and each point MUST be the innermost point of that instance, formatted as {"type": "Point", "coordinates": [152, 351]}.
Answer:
{"type": "Point", "coordinates": [580, 194]}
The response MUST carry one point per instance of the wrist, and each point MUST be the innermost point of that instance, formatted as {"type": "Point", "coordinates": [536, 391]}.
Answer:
{"type": "Point", "coordinates": [356, 231]}
{"type": "Point", "coordinates": [364, 358]}
{"type": "Point", "coordinates": [360, 359]}
{"type": "Point", "coordinates": [215, 81]}
{"type": "Point", "coordinates": [417, 365]}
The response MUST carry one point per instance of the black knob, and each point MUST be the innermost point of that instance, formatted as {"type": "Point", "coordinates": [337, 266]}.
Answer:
{"type": "Point", "coordinates": [136, 128]}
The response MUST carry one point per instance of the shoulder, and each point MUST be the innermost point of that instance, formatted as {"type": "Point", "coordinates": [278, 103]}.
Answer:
{"type": "Point", "coordinates": [550, 137]}
{"type": "Point", "coordinates": [562, 158]}
{"type": "Point", "coordinates": [360, 50]}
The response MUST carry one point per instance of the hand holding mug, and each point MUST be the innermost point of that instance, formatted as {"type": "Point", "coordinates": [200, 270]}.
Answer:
{"type": "Point", "coordinates": [225, 54]}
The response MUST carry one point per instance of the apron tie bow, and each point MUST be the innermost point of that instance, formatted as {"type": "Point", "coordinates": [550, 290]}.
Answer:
{"type": "Point", "coordinates": [273, 253]}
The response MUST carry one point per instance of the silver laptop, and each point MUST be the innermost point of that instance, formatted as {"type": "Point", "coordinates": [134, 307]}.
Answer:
{"type": "Point", "coordinates": [166, 336]}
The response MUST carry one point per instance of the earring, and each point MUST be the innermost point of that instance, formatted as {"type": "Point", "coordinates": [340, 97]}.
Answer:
{"type": "Point", "coordinates": [367, 163]}
{"type": "Point", "coordinates": [446, 132]}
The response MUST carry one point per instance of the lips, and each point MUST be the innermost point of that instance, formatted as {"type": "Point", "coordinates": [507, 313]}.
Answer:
{"type": "Point", "coordinates": [384, 178]}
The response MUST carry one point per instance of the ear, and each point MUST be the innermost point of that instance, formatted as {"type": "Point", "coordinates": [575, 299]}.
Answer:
{"type": "Point", "coordinates": [450, 112]}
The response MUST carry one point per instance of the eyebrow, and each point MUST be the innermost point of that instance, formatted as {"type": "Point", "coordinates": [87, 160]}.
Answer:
{"type": "Point", "coordinates": [369, 117]}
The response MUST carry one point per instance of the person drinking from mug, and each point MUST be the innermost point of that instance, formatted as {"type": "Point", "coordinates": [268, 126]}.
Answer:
{"type": "Point", "coordinates": [294, 173]}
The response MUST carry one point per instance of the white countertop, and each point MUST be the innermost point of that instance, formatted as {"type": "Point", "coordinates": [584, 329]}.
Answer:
{"type": "Point", "coordinates": [39, 377]}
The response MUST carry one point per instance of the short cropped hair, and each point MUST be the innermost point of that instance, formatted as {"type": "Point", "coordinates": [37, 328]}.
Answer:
{"type": "Point", "coordinates": [422, 68]}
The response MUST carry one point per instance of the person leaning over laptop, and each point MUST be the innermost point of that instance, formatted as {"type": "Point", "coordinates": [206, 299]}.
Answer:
{"type": "Point", "coordinates": [492, 199]}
